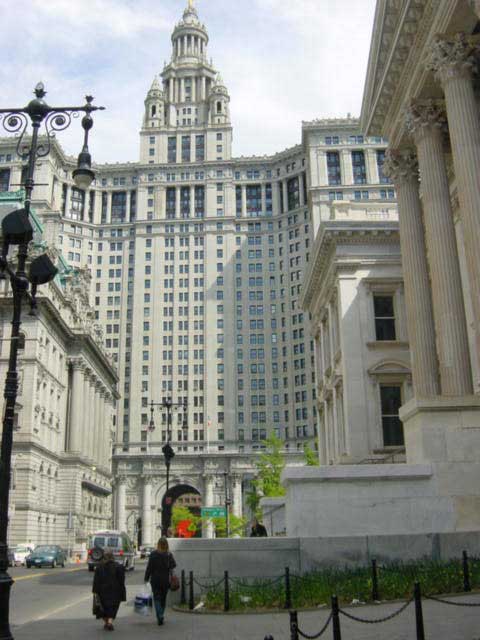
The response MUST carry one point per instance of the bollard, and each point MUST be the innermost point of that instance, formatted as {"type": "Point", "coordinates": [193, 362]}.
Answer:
{"type": "Point", "coordinates": [419, 612]}
{"type": "Point", "coordinates": [288, 590]}
{"type": "Point", "coordinates": [226, 593]}
{"type": "Point", "coordinates": [337, 633]}
{"type": "Point", "coordinates": [293, 625]}
{"type": "Point", "coordinates": [375, 594]}
{"type": "Point", "coordinates": [466, 573]}
{"type": "Point", "coordinates": [191, 595]}
{"type": "Point", "coordinates": [183, 593]}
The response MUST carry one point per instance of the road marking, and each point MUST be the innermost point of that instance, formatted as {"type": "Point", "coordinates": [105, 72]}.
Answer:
{"type": "Point", "coordinates": [39, 575]}
{"type": "Point", "coordinates": [55, 611]}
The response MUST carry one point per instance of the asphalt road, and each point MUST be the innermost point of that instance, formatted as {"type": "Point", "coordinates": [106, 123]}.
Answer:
{"type": "Point", "coordinates": [40, 594]}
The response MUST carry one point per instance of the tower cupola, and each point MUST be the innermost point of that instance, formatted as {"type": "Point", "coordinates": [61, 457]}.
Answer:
{"type": "Point", "coordinates": [219, 101]}
{"type": "Point", "coordinates": [154, 106]}
{"type": "Point", "coordinates": [190, 37]}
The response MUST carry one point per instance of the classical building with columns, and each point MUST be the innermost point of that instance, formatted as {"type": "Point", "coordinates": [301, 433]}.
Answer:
{"type": "Point", "coordinates": [62, 480]}
{"type": "Point", "coordinates": [422, 94]}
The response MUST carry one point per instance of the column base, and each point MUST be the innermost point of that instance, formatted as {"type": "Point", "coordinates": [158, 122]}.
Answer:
{"type": "Point", "coordinates": [442, 429]}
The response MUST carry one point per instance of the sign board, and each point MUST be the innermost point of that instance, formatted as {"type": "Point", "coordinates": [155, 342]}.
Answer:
{"type": "Point", "coordinates": [214, 512]}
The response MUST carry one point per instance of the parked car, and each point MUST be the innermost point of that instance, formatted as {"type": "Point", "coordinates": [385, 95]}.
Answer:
{"type": "Point", "coordinates": [117, 542]}
{"type": "Point", "coordinates": [20, 552]}
{"type": "Point", "coordinates": [46, 555]}
{"type": "Point", "coordinates": [11, 557]}
{"type": "Point", "coordinates": [146, 551]}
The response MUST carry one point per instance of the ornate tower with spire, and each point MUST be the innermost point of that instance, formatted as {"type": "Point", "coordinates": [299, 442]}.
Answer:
{"type": "Point", "coordinates": [193, 101]}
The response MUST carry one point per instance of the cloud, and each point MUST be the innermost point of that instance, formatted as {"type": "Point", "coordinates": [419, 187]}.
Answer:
{"type": "Point", "coordinates": [282, 61]}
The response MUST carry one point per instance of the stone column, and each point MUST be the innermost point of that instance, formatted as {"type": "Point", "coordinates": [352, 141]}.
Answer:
{"type": "Point", "coordinates": [147, 511]}
{"type": "Point", "coordinates": [109, 206]}
{"type": "Point", "coordinates": [301, 193]}
{"type": "Point", "coordinates": [192, 202]}
{"type": "Point", "coordinates": [177, 193]}
{"type": "Point", "coordinates": [98, 452]}
{"type": "Point", "coordinates": [453, 61]}
{"type": "Point", "coordinates": [76, 411]}
{"type": "Point", "coordinates": [264, 199]}
{"type": "Point", "coordinates": [371, 164]}
{"type": "Point", "coordinates": [182, 89]}
{"type": "Point", "coordinates": [204, 88]}
{"type": "Point", "coordinates": [475, 5]}
{"type": "Point", "coordinates": [237, 506]}
{"type": "Point", "coordinates": [107, 429]}
{"type": "Point", "coordinates": [91, 411]}
{"type": "Point", "coordinates": [346, 167]}
{"type": "Point", "coordinates": [194, 89]}
{"type": "Point", "coordinates": [208, 483]}
{"type": "Point", "coordinates": [403, 170]}
{"type": "Point", "coordinates": [121, 519]}
{"type": "Point", "coordinates": [128, 207]}
{"type": "Point", "coordinates": [285, 196]}
{"type": "Point", "coordinates": [244, 200]}
{"type": "Point", "coordinates": [425, 121]}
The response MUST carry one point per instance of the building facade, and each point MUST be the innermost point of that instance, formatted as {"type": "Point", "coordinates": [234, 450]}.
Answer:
{"type": "Point", "coordinates": [196, 260]}
{"type": "Point", "coordinates": [62, 479]}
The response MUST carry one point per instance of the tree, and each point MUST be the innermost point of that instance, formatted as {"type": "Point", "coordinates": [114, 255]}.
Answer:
{"type": "Point", "coordinates": [269, 470]}
{"type": "Point", "coordinates": [311, 457]}
{"type": "Point", "coordinates": [237, 526]}
{"type": "Point", "coordinates": [181, 514]}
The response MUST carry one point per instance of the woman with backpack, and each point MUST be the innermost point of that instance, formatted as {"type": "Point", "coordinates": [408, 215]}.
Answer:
{"type": "Point", "coordinates": [159, 572]}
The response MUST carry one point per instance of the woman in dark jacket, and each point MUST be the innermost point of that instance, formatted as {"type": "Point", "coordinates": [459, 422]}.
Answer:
{"type": "Point", "coordinates": [109, 585]}
{"type": "Point", "coordinates": [159, 569]}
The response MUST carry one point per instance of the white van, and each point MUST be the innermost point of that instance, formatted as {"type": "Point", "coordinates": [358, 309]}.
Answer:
{"type": "Point", "coordinates": [117, 542]}
{"type": "Point", "coordinates": [20, 552]}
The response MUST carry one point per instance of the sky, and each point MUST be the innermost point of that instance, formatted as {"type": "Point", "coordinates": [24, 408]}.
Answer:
{"type": "Point", "coordinates": [283, 61]}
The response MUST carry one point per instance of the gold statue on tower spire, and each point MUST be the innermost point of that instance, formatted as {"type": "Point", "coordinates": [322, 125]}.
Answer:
{"type": "Point", "coordinates": [190, 4]}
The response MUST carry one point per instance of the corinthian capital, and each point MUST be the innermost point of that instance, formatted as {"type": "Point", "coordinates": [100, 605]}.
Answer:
{"type": "Point", "coordinates": [424, 114]}
{"type": "Point", "coordinates": [400, 166]}
{"type": "Point", "coordinates": [452, 56]}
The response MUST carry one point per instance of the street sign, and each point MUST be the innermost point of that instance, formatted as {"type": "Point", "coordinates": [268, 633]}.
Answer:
{"type": "Point", "coordinates": [214, 512]}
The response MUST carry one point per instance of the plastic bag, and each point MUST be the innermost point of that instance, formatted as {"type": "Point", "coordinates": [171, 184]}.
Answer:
{"type": "Point", "coordinates": [143, 603]}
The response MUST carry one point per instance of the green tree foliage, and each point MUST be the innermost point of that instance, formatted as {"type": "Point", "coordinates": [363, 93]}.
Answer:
{"type": "Point", "coordinates": [269, 470]}
{"type": "Point", "coordinates": [180, 514]}
{"type": "Point", "coordinates": [311, 457]}
{"type": "Point", "coordinates": [237, 526]}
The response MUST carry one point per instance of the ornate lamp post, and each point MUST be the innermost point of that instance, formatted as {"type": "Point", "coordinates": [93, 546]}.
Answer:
{"type": "Point", "coordinates": [168, 453]}
{"type": "Point", "coordinates": [17, 230]}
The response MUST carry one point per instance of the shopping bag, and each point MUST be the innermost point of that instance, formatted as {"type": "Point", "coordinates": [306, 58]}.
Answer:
{"type": "Point", "coordinates": [97, 608]}
{"type": "Point", "coordinates": [143, 603]}
{"type": "Point", "coordinates": [174, 582]}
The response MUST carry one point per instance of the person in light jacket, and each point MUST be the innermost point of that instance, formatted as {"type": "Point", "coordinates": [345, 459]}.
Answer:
{"type": "Point", "coordinates": [109, 586]}
{"type": "Point", "coordinates": [160, 566]}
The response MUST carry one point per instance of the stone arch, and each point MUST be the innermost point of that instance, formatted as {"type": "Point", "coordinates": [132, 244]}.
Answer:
{"type": "Point", "coordinates": [168, 500]}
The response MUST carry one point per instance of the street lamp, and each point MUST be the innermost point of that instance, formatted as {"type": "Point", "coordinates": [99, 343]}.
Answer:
{"type": "Point", "coordinates": [168, 405]}
{"type": "Point", "coordinates": [227, 503]}
{"type": "Point", "coordinates": [18, 231]}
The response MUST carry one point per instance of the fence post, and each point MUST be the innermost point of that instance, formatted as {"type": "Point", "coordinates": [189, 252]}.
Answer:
{"type": "Point", "coordinates": [419, 612]}
{"type": "Point", "coordinates": [226, 593]}
{"type": "Point", "coordinates": [183, 594]}
{"type": "Point", "coordinates": [288, 590]}
{"type": "Point", "coordinates": [375, 594]}
{"type": "Point", "coordinates": [293, 625]}
{"type": "Point", "coordinates": [337, 633]}
{"type": "Point", "coordinates": [466, 573]}
{"type": "Point", "coordinates": [191, 597]}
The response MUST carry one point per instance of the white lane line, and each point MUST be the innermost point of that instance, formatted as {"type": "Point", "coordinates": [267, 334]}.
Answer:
{"type": "Point", "coordinates": [55, 611]}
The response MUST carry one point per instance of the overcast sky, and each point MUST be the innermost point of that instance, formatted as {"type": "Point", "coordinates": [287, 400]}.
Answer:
{"type": "Point", "coordinates": [283, 61]}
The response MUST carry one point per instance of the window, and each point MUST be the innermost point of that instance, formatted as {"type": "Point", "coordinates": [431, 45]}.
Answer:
{"type": "Point", "coordinates": [333, 167]}
{"type": "Point", "coordinates": [185, 148]}
{"type": "Point", "coordinates": [384, 317]}
{"type": "Point", "coordinates": [199, 148]}
{"type": "Point", "coordinates": [359, 168]}
{"type": "Point", "coordinates": [391, 401]}
{"type": "Point", "coordinates": [4, 179]}
{"type": "Point", "coordinates": [119, 206]}
{"type": "Point", "coordinates": [293, 193]}
{"type": "Point", "coordinates": [172, 149]}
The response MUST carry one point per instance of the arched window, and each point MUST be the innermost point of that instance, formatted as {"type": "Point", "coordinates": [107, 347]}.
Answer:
{"type": "Point", "coordinates": [154, 111]}
{"type": "Point", "coordinates": [219, 107]}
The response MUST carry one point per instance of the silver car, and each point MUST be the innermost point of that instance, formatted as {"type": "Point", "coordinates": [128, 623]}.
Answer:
{"type": "Point", "coordinates": [117, 542]}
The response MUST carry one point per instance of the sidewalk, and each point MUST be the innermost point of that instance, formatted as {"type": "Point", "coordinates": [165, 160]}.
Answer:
{"type": "Point", "coordinates": [442, 622]}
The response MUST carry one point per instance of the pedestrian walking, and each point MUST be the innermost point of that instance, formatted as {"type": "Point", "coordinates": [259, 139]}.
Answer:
{"type": "Point", "coordinates": [159, 572]}
{"type": "Point", "coordinates": [109, 588]}
{"type": "Point", "coordinates": [258, 530]}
